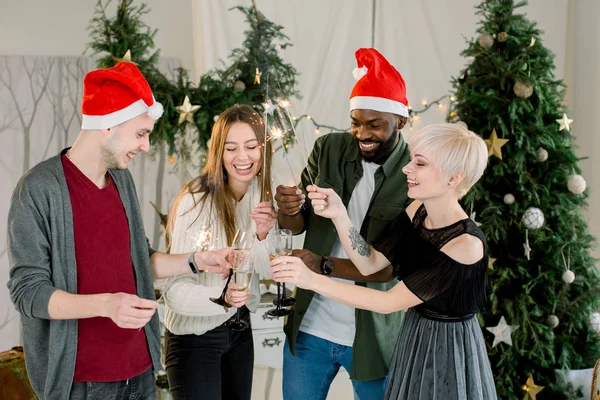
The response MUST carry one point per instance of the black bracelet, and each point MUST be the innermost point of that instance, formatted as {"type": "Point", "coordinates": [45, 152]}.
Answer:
{"type": "Point", "coordinates": [192, 262]}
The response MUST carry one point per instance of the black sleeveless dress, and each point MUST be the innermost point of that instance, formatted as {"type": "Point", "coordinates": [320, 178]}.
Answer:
{"type": "Point", "coordinates": [440, 352]}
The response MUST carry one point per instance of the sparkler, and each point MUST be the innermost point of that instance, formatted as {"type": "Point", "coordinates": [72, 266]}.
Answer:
{"type": "Point", "coordinates": [286, 104]}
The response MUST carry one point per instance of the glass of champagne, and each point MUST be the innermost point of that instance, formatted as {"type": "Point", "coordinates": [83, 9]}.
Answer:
{"type": "Point", "coordinates": [243, 266]}
{"type": "Point", "coordinates": [280, 244]}
{"type": "Point", "coordinates": [242, 241]}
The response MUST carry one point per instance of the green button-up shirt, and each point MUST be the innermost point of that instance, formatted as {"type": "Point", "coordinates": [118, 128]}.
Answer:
{"type": "Point", "coordinates": [335, 162]}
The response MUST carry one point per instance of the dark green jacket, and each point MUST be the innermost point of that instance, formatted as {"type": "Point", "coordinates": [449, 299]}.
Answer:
{"type": "Point", "coordinates": [41, 252]}
{"type": "Point", "coordinates": [335, 162]}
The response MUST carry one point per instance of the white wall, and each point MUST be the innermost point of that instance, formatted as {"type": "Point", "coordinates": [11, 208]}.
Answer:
{"type": "Point", "coordinates": [59, 27]}
{"type": "Point", "coordinates": [583, 98]}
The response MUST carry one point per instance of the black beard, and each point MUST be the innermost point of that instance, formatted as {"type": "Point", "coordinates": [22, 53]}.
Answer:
{"type": "Point", "coordinates": [384, 150]}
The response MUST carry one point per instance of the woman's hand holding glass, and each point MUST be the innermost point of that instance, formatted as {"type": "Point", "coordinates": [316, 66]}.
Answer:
{"type": "Point", "coordinates": [237, 295]}
{"type": "Point", "coordinates": [279, 243]}
{"type": "Point", "coordinates": [325, 202]}
{"type": "Point", "coordinates": [264, 215]}
{"type": "Point", "coordinates": [292, 269]}
{"type": "Point", "coordinates": [242, 241]}
{"type": "Point", "coordinates": [243, 268]}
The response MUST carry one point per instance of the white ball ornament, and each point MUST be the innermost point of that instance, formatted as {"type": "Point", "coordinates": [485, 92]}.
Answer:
{"type": "Point", "coordinates": [215, 118]}
{"type": "Point", "coordinates": [576, 184]}
{"type": "Point", "coordinates": [533, 218]}
{"type": "Point", "coordinates": [568, 276]}
{"type": "Point", "coordinates": [552, 321]}
{"type": "Point", "coordinates": [486, 41]}
{"type": "Point", "coordinates": [541, 154]}
{"type": "Point", "coordinates": [239, 86]}
{"type": "Point", "coordinates": [208, 143]}
{"type": "Point", "coordinates": [523, 89]}
{"type": "Point", "coordinates": [509, 199]}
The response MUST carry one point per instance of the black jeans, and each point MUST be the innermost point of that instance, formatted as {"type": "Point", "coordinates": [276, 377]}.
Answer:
{"type": "Point", "coordinates": [141, 387]}
{"type": "Point", "coordinates": [216, 365]}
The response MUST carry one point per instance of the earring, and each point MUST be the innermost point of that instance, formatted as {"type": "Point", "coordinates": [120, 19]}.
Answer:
{"type": "Point", "coordinates": [448, 183]}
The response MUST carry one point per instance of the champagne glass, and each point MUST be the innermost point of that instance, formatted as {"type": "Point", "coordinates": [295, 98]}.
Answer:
{"type": "Point", "coordinates": [280, 244]}
{"type": "Point", "coordinates": [243, 267]}
{"type": "Point", "coordinates": [242, 241]}
{"type": "Point", "coordinates": [287, 251]}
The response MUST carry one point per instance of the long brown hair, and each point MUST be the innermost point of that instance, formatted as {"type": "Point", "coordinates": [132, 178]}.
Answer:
{"type": "Point", "coordinates": [212, 182]}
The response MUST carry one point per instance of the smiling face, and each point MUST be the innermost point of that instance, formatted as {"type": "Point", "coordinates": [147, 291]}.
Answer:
{"type": "Point", "coordinates": [241, 154]}
{"type": "Point", "coordinates": [124, 141]}
{"type": "Point", "coordinates": [425, 180]}
{"type": "Point", "coordinates": [376, 133]}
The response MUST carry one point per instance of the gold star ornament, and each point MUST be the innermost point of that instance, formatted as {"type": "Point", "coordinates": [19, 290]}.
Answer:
{"type": "Point", "coordinates": [126, 58]}
{"type": "Point", "coordinates": [494, 145]}
{"type": "Point", "coordinates": [530, 389]}
{"type": "Point", "coordinates": [491, 262]}
{"type": "Point", "coordinates": [257, 77]}
{"type": "Point", "coordinates": [186, 111]}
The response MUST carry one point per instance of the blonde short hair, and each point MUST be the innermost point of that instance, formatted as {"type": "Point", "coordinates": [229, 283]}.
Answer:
{"type": "Point", "coordinates": [455, 150]}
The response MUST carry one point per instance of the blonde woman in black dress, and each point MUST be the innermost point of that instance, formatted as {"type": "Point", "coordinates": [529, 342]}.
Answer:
{"type": "Point", "coordinates": [440, 257]}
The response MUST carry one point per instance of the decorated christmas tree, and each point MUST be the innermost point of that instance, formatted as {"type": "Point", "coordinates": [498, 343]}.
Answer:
{"type": "Point", "coordinates": [255, 75]}
{"type": "Point", "coordinates": [529, 204]}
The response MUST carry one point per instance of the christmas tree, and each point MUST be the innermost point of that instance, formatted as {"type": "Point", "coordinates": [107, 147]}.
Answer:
{"type": "Point", "coordinates": [256, 74]}
{"type": "Point", "coordinates": [529, 204]}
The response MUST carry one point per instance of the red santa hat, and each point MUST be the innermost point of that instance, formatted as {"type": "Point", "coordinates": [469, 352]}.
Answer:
{"type": "Point", "coordinates": [379, 85]}
{"type": "Point", "coordinates": [114, 95]}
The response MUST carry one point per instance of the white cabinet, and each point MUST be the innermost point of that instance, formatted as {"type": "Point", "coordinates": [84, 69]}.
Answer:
{"type": "Point", "coordinates": [269, 339]}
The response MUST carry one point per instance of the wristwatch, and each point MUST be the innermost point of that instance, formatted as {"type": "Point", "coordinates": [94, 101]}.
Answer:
{"type": "Point", "coordinates": [326, 265]}
{"type": "Point", "coordinates": [192, 263]}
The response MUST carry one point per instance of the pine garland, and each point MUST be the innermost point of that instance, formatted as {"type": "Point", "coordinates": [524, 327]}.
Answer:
{"type": "Point", "coordinates": [112, 37]}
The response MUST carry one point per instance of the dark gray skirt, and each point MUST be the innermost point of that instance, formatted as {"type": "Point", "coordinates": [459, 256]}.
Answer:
{"type": "Point", "coordinates": [436, 360]}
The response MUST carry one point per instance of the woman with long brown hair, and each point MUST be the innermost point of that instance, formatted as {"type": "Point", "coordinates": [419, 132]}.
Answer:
{"type": "Point", "coordinates": [204, 359]}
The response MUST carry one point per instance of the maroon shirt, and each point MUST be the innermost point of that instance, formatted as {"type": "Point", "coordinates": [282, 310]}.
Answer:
{"type": "Point", "coordinates": [105, 352]}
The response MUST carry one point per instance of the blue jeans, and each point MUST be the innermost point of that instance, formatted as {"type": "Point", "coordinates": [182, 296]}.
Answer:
{"type": "Point", "coordinates": [141, 387]}
{"type": "Point", "coordinates": [309, 373]}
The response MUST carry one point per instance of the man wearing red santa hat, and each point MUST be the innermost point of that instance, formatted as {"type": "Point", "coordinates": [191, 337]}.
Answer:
{"type": "Point", "coordinates": [365, 169]}
{"type": "Point", "coordinates": [81, 268]}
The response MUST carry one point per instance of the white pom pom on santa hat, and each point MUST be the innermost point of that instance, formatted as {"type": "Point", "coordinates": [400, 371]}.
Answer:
{"type": "Point", "coordinates": [115, 95]}
{"type": "Point", "coordinates": [379, 86]}
{"type": "Point", "coordinates": [156, 110]}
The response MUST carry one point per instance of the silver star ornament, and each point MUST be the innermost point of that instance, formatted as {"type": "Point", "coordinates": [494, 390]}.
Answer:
{"type": "Point", "coordinates": [564, 123]}
{"type": "Point", "coordinates": [502, 332]}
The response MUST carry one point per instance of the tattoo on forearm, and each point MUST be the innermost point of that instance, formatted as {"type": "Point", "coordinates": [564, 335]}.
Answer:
{"type": "Point", "coordinates": [359, 244]}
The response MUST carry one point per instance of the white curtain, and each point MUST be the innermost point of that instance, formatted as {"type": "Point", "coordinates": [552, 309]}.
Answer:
{"type": "Point", "coordinates": [422, 39]}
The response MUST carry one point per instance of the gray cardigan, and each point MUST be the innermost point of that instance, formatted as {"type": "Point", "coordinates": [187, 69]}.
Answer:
{"type": "Point", "coordinates": [41, 252]}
